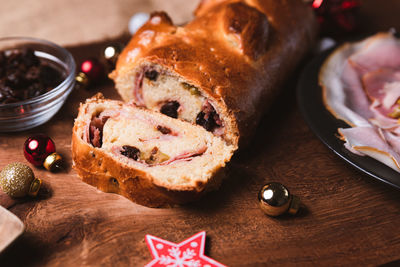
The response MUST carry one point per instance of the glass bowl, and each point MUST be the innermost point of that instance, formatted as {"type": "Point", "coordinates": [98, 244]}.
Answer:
{"type": "Point", "coordinates": [35, 111]}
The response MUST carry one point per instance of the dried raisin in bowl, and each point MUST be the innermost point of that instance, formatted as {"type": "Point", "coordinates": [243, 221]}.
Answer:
{"type": "Point", "coordinates": [38, 109]}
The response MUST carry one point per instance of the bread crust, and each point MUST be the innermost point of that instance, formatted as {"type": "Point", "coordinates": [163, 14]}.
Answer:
{"type": "Point", "coordinates": [237, 53]}
{"type": "Point", "coordinates": [99, 169]}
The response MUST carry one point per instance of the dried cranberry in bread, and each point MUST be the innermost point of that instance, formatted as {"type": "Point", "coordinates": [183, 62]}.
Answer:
{"type": "Point", "coordinates": [222, 69]}
{"type": "Point", "coordinates": [146, 156]}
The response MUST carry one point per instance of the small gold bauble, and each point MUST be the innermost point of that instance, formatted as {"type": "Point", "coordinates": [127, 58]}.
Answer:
{"type": "Point", "coordinates": [275, 199]}
{"type": "Point", "coordinates": [18, 180]}
{"type": "Point", "coordinates": [53, 162]}
{"type": "Point", "coordinates": [82, 80]}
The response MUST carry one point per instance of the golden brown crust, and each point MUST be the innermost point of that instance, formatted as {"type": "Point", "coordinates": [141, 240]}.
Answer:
{"type": "Point", "coordinates": [248, 32]}
{"type": "Point", "coordinates": [99, 169]}
{"type": "Point", "coordinates": [229, 53]}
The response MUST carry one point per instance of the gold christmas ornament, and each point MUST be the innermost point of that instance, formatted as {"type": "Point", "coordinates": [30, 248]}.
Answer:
{"type": "Point", "coordinates": [53, 162]}
{"type": "Point", "coordinates": [275, 199]}
{"type": "Point", "coordinates": [18, 180]}
{"type": "Point", "coordinates": [82, 80]}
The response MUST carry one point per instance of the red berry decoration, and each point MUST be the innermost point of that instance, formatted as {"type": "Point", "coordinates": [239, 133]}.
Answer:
{"type": "Point", "coordinates": [41, 150]}
{"type": "Point", "coordinates": [93, 69]}
{"type": "Point", "coordinates": [336, 16]}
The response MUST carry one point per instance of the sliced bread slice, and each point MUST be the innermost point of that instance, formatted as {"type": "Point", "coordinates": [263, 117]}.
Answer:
{"type": "Point", "coordinates": [145, 156]}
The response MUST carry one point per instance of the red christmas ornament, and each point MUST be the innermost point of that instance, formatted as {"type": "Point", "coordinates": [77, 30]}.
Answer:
{"type": "Point", "coordinates": [187, 253]}
{"type": "Point", "coordinates": [93, 69]}
{"type": "Point", "coordinates": [336, 15]}
{"type": "Point", "coordinates": [41, 150]}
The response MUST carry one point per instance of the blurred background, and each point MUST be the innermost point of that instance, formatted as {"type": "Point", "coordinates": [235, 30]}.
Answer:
{"type": "Point", "coordinates": [70, 22]}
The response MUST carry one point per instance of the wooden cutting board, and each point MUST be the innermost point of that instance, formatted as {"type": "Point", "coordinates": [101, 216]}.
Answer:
{"type": "Point", "coordinates": [349, 219]}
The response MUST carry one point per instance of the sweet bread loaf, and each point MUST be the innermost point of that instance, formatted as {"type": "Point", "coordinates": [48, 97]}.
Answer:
{"type": "Point", "coordinates": [212, 80]}
{"type": "Point", "coordinates": [221, 70]}
{"type": "Point", "coordinates": [145, 156]}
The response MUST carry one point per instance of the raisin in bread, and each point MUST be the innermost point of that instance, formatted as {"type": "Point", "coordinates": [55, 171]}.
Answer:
{"type": "Point", "coordinates": [146, 156]}
{"type": "Point", "coordinates": [221, 70]}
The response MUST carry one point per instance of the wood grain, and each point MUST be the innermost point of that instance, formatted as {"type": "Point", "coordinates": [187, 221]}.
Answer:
{"type": "Point", "coordinates": [348, 219]}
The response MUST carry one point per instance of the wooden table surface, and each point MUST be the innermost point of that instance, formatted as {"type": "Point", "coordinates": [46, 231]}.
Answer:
{"type": "Point", "coordinates": [349, 219]}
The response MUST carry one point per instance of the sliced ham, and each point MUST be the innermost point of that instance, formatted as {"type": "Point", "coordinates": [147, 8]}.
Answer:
{"type": "Point", "coordinates": [376, 52]}
{"type": "Point", "coordinates": [393, 140]}
{"type": "Point", "coordinates": [380, 83]}
{"type": "Point", "coordinates": [380, 117]}
{"type": "Point", "coordinates": [343, 94]}
{"type": "Point", "coordinates": [96, 129]}
{"type": "Point", "coordinates": [367, 141]}
{"type": "Point", "coordinates": [391, 95]}
{"type": "Point", "coordinates": [361, 85]}
{"type": "Point", "coordinates": [383, 88]}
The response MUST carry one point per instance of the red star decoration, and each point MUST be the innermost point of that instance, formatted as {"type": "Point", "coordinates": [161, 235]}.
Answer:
{"type": "Point", "coordinates": [188, 253]}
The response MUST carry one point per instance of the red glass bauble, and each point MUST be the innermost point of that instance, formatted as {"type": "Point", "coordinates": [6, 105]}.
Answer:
{"type": "Point", "coordinates": [37, 148]}
{"type": "Point", "coordinates": [93, 69]}
{"type": "Point", "coordinates": [336, 15]}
